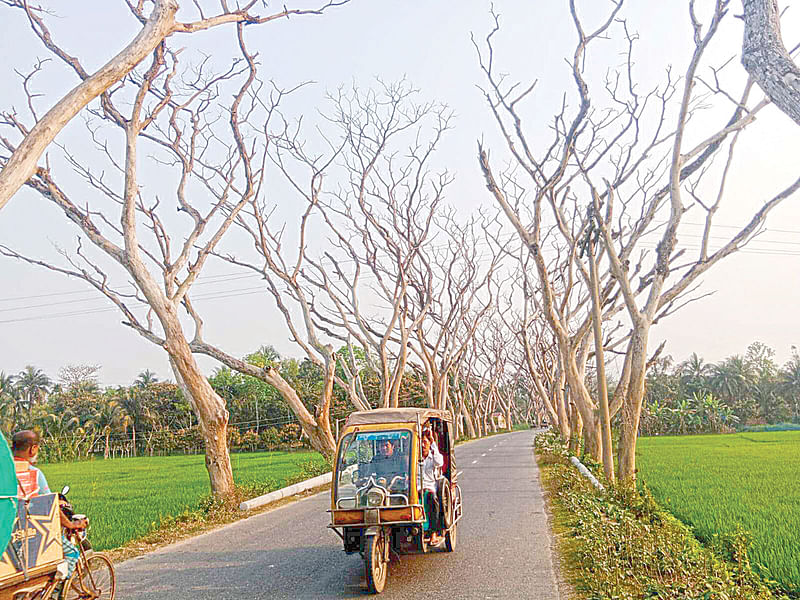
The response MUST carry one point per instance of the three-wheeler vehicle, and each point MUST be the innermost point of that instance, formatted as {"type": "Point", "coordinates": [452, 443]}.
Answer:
{"type": "Point", "coordinates": [377, 498]}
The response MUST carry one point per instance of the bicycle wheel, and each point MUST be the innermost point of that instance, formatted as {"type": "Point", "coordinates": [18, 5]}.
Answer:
{"type": "Point", "coordinates": [93, 579]}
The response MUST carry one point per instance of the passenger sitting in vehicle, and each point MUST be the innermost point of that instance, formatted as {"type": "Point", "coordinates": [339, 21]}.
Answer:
{"type": "Point", "coordinates": [432, 460]}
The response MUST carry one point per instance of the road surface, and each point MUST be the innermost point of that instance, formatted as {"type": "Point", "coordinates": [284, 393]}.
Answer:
{"type": "Point", "coordinates": [503, 547]}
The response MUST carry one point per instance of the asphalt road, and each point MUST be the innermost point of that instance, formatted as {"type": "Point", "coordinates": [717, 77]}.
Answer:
{"type": "Point", "coordinates": [503, 546]}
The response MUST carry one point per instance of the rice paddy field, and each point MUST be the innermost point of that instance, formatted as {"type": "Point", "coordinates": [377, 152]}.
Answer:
{"type": "Point", "coordinates": [126, 498]}
{"type": "Point", "coordinates": [714, 482]}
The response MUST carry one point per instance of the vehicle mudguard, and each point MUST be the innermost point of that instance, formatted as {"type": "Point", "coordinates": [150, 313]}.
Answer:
{"type": "Point", "coordinates": [377, 530]}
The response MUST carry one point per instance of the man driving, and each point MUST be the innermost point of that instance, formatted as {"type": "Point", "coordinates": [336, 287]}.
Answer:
{"type": "Point", "coordinates": [387, 461]}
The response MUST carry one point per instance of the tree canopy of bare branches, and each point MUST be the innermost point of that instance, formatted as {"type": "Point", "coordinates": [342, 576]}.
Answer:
{"type": "Point", "coordinates": [179, 112]}
{"type": "Point", "coordinates": [617, 175]}
{"type": "Point", "coordinates": [156, 27]}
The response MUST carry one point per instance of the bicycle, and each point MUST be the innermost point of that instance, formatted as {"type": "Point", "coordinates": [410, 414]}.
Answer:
{"type": "Point", "coordinates": [93, 577]}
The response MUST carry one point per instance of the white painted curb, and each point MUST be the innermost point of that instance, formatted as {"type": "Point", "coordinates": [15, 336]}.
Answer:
{"type": "Point", "coordinates": [286, 492]}
{"type": "Point", "coordinates": [586, 473]}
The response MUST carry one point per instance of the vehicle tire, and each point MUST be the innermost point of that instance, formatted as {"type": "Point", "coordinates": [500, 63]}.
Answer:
{"type": "Point", "coordinates": [376, 566]}
{"type": "Point", "coordinates": [93, 579]}
{"type": "Point", "coordinates": [446, 501]}
{"type": "Point", "coordinates": [458, 506]}
{"type": "Point", "coordinates": [451, 538]}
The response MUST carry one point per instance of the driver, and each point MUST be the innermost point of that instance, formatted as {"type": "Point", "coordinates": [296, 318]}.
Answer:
{"type": "Point", "coordinates": [387, 462]}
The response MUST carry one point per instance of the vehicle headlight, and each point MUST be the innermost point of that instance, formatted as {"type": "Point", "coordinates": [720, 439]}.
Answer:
{"type": "Point", "coordinates": [375, 497]}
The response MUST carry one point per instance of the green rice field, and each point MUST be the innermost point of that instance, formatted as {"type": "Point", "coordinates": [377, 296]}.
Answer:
{"type": "Point", "coordinates": [714, 482]}
{"type": "Point", "coordinates": [126, 498]}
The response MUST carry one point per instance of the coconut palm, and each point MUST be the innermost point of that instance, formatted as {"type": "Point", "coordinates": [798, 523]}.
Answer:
{"type": "Point", "coordinates": [7, 384]}
{"type": "Point", "coordinates": [33, 385]}
{"type": "Point", "coordinates": [62, 435]}
{"type": "Point", "coordinates": [733, 379]}
{"type": "Point", "coordinates": [694, 373]}
{"type": "Point", "coordinates": [8, 402]}
{"type": "Point", "coordinates": [110, 416]}
{"type": "Point", "coordinates": [789, 383]}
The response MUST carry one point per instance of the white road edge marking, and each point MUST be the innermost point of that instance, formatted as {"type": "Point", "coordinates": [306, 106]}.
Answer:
{"type": "Point", "coordinates": [474, 461]}
{"type": "Point", "coordinates": [484, 454]}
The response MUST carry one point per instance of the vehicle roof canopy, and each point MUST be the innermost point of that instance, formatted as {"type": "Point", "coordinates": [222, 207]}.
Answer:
{"type": "Point", "coordinates": [396, 415]}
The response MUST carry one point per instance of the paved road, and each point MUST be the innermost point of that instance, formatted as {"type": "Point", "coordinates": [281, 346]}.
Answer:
{"type": "Point", "coordinates": [503, 547]}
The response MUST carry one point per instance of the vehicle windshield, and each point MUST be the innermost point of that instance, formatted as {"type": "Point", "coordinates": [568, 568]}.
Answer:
{"type": "Point", "coordinates": [373, 459]}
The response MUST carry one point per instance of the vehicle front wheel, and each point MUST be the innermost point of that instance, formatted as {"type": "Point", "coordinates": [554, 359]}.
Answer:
{"type": "Point", "coordinates": [376, 566]}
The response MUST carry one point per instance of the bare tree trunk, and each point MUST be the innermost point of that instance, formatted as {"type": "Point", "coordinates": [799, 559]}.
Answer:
{"type": "Point", "coordinates": [467, 419]}
{"type": "Point", "coordinates": [212, 415]}
{"type": "Point", "coordinates": [632, 407]}
{"type": "Point", "coordinates": [766, 59]}
{"type": "Point", "coordinates": [602, 388]}
{"type": "Point", "coordinates": [317, 428]}
{"type": "Point", "coordinates": [577, 430]}
{"type": "Point", "coordinates": [318, 432]}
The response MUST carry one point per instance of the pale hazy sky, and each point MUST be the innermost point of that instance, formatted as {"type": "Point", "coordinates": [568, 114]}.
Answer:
{"type": "Point", "coordinates": [49, 321]}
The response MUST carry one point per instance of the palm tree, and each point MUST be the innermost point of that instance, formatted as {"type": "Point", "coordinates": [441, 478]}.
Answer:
{"type": "Point", "coordinates": [110, 416]}
{"type": "Point", "coordinates": [145, 378]}
{"type": "Point", "coordinates": [734, 379]}
{"type": "Point", "coordinates": [8, 402]}
{"type": "Point", "coordinates": [33, 385]}
{"type": "Point", "coordinates": [7, 385]}
{"type": "Point", "coordinates": [694, 373]}
{"type": "Point", "coordinates": [63, 433]}
{"type": "Point", "coordinates": [789, 383]}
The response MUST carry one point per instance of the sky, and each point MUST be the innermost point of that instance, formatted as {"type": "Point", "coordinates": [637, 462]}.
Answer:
{"type": "Point", "coordinates": [49, 321]}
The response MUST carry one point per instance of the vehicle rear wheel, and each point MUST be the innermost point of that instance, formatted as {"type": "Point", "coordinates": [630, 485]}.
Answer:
{"type": "Point", "coordinates": [451, 538]}
{"type": "Point", "coordinates": [447, 504]}
{"type": "Point", "coordinates": [92, 580]}
{"type": "Point", "coordinates": [376, 566]}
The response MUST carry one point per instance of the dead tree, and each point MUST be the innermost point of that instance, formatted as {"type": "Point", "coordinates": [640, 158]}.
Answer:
{"type": "Point", "coordinates": [460, 279]}
{"type": "Point", "coordinates": [156, 27]}
{"type": "Point", "coordinates": [172, 113]}
{"type": "Point", "coordinates": [626, 165]}
{"type": "Point", "coordinates": [381, 222]}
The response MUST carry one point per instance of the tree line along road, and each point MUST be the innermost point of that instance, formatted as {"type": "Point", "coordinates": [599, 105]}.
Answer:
{"type": "Point", "coordinates": [504, 546]}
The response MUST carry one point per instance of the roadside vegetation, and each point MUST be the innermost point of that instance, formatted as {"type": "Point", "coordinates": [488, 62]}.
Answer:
{"type": "Point", "coordinates": [721, 485]}
{"type": "Point", "coordinates": [742, 391]}
{"type": "Point", "coordinates": [128, 499]}
{"type": "Point", "coordinates": [80, 420]}
{"type": "Point", "coordinates": [621, 544]}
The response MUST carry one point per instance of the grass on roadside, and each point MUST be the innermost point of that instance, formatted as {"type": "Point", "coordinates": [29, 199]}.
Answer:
{"type": "Point", "coordinates": [621, 545]}
{"type": "Point", "coordinates": [129, 498]}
